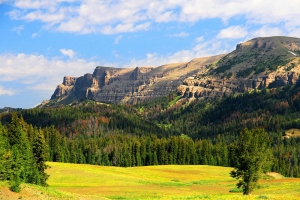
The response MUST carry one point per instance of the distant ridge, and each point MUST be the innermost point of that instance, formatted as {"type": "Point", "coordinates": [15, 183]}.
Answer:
{"type": "Point", "coordinates": [128, 85]}
{"type": "Point", "coordinates": [265, 62]}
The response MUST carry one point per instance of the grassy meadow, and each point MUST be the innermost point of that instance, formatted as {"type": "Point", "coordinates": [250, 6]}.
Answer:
{"type": "Point", "coordinates": [161, 182]}
{"type": "Point", "coordinates": [90, 182]}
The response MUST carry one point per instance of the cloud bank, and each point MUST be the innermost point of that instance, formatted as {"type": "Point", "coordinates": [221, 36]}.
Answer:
{"type": "Point", "coordinates": [111, 17]}
{"type": "Point", "coordinates": [37, 72]}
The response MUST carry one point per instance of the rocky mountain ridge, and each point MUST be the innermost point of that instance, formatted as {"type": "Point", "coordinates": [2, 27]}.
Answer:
{"type": "Point", "coordinates": [255, 64]}
{"type": "Point", "coordinates": [129, 85]}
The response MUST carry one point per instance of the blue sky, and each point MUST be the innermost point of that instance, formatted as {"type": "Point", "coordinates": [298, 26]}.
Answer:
{"type": "Point", "coordinates": [41, 41]}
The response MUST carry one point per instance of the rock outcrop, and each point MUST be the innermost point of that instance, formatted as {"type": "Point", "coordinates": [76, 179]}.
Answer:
{"type": "Point", "coordinates": [212, 87]}
{"type": "Point", "coordinates": [129, 85]}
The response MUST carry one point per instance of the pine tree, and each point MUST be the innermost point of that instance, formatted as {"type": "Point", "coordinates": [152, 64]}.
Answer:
{"type": "Point", "coordinates": [16, 170]}
{"type": "Point", "coordinates": [252, 155]}
{"type": "Point", "coordinates": [4, 154]}
{"type": "Point", "coordinates": [40, 153]}
{"type": "Point", "coordinates": [20, 146]}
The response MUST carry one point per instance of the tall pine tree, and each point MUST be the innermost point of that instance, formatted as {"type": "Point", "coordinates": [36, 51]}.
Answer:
{"type": "Point", "coordinates": [252, 157]}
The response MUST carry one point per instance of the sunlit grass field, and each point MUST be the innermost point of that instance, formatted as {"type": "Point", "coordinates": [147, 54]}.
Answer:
{"type": "Point", "coordinates": [160, 182]}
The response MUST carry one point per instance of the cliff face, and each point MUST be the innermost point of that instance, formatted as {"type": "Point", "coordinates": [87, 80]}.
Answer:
{"type": "Point", "coordinates": [255, 64]}
{"type": "Point", "coordinates": [129, 85]}
{"type": "Point", "coordinates": [211, 87]}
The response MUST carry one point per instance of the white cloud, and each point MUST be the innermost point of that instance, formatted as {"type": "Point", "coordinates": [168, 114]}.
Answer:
{"type": "Point", "coordinates": [165, 17]}
{"type": "Point", "coordinates": [40, 73]}
{"type": "Point", "coordinates": [3, 1]}
{"type": "Point", "coordinates": [232, 32]}
{"type": "Point", "coordinates": [34, 4]}
{"type": "Point", "coordinates": [34, 35]}
{"type": "Point", "coordinates": [181, 34]}
{"type": "Point", "coordinates": [201, 49]}
{"type": "Point", "coordinates": [294, 32]}
{"type": "Point", "coordinates": [8, 92]}
{"type": "Point", "coordinates": [110, 17]}
{"type": "Point", "coordinates": [118, 39]}
{"type": "Point", "coordinates": [199, 39]}
{"type": "Point", "coordinates": [18, 29]}
{"type": "Point", "coordinates": [267, 31]}
{"type": "Point", "coordinates": [68, 52]}
{"type": "Point", "coordinates": [120, 28]}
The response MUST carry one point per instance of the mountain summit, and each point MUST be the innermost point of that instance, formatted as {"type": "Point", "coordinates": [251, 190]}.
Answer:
{"type": "Point", "coordinates": [255, 64]}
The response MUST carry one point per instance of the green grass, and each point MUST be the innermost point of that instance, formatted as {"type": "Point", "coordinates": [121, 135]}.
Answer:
{"type": "Point", "coordinates": [141, 109]}
{"type": "Point", "coordinates": [171, 103]}
{"type": "Point", "coordinates": [160, 182]}
{"type": "Point", "coordinates": [166, 126]}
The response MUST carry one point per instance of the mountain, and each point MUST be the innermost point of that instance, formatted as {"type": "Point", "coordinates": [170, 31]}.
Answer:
{"type": "Point", "coordinates": [255, 64]}
{"type": "Point", "coordinates": [258, 63]}
{"type": "Point", "coordinates": [128, 85]}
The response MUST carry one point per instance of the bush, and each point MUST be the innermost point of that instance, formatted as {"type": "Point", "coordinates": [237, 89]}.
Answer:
{"type": "Point", "coordinates": [15, 187]}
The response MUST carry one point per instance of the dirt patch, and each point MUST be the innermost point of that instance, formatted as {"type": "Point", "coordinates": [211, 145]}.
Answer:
{"type": "Point", "coordinates": [5, 193]}
{"type": "Point", "coordinates": [28, 192]}
{"type": "Point", "coordinates": [292, 133]}
{"type": "Point", "coordinates": [275, 175]}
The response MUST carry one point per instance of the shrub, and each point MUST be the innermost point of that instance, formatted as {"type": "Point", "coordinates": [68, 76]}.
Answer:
{"type": "Point", "coordinates": [15, 187]}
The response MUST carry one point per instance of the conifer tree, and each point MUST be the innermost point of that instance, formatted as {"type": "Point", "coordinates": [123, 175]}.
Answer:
{"type": "Point", "coordinates": [16, 170]}
{"type": "Point", "coordinates": [4, 154]}
{"type": "Point", "coordinates": [21, 149]}
{"type": "Point", "coordinates": [40, 153]}
{"type": "Point", "coordinates": [252, 157]}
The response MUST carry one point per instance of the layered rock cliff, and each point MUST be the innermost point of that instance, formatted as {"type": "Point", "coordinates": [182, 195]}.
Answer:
{"type": "Point", "coordinates": [211, 87]}
{"type": "Point", "coordinates": [129, 85]}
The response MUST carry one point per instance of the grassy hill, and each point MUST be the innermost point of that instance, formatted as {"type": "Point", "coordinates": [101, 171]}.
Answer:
{"type": "Point", "coordinates": [74, 181]}
{"type": "Point", "coordinates": [80, 181]}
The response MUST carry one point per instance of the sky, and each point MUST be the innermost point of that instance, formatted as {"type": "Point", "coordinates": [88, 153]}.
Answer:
{"type": "Point", "coordinates": [41, 41]}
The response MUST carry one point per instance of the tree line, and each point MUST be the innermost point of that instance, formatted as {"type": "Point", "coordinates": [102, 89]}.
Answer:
{"type": "Point", "coordinates": [23, 153]}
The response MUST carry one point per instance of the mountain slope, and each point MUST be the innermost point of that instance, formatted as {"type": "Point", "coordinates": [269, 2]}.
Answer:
{"type": "Point", "coordinates": [260, 54]}
{"type": "Point", "coordinates": [258, 63]}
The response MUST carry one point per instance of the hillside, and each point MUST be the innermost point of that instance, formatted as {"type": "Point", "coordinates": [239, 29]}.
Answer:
{"type": "Point", "coordinates": [255, 64]}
